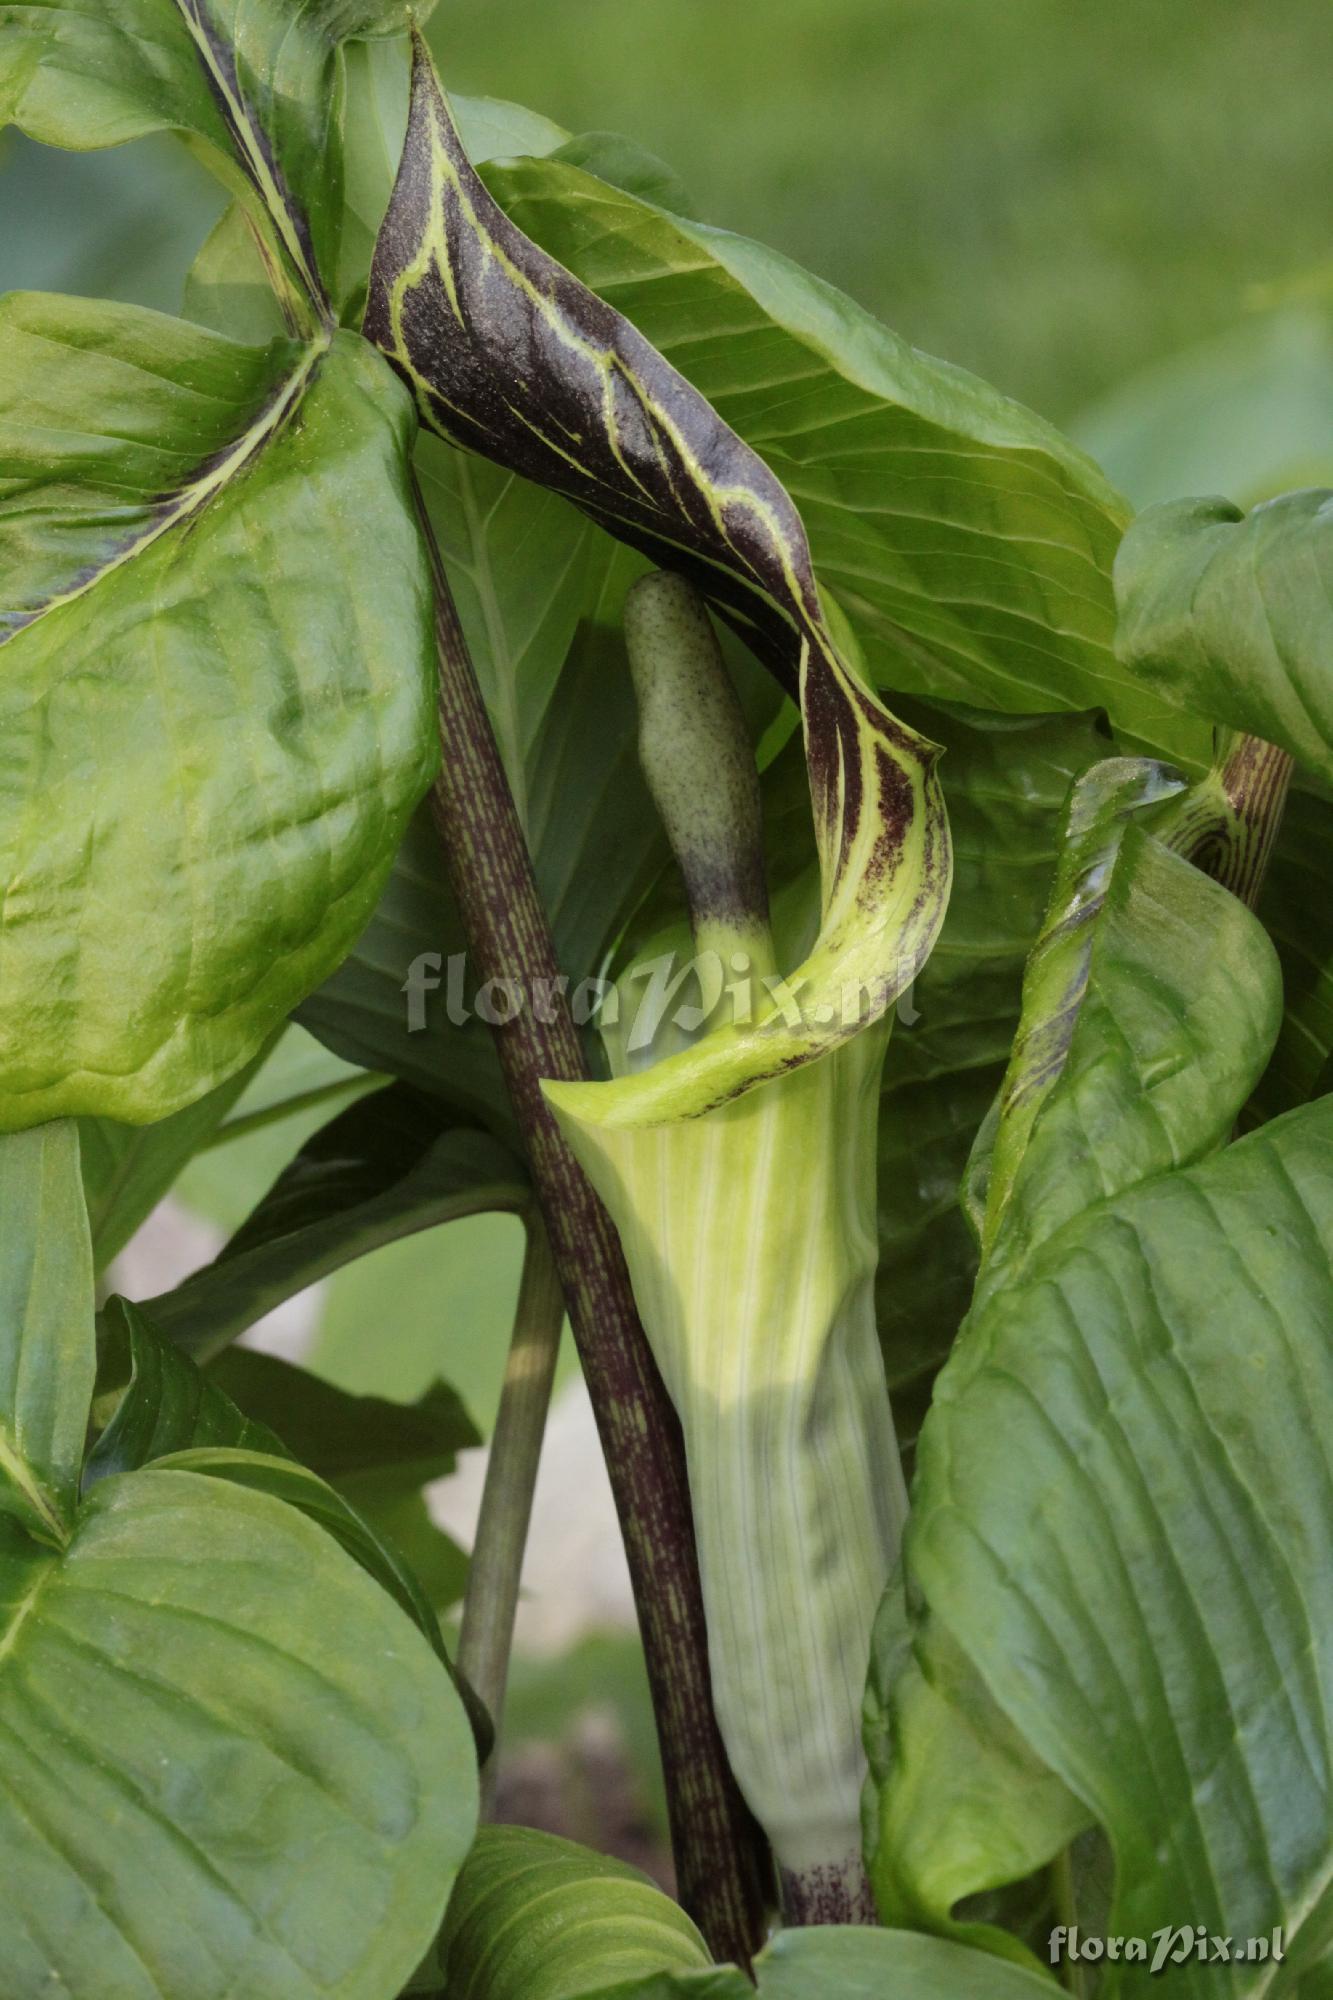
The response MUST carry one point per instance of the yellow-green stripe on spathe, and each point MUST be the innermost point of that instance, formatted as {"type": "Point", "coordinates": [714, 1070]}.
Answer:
{"type": "Point", "coordinates": [739, 1171]}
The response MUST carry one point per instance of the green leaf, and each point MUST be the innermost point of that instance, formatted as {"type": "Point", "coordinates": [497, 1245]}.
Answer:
{"type": "Point", "coordinates": [256, 90]}
{"type": "Point", "coordinates": [378, 1454]}
{"type": "Point", "coordinates": [1117, 1558]}
{"type": "Point", "coordinates": [229, 797]}
{"type": "Point", "coordinates": [957, 1804]}
{"type": "Point", "coordinates": [970, 545]}
{"type": "Point", "coordinates": [615, 159]}
{"type": "Point", "coordinates": [1055, 984]}
{"type": "Point", "coordinates": [47, 1351]}
{"type": "Point", "coordinates": [540, 593]}
{"type": "Point", "coordinates": [601, 1923]}
{"type": "Point", "coordinates": [297, 1081]}
{"type": "Point", "coordinates": [537, 1918]}
{"type": "Point", "coordinates": [1122, 1521]}
{"type": "Point", "coordinates": [398, 1515]}
{"type": "Point", "coordinates": [846, 1963]}
{"type": "Point", "coordinates": [128, 1168]}
{"type": "Point", "coordinates": [1243, 412]}
{"type": "Point", "coordinates": [341, 1436]}
{"type": "Point", "coordinates": [1231, 615]}
{"type": "Point", "coordinates": [240, 1464]}
{"type": "Point", "coordinates": [382, 1170]}
{"type": "Point", "coordinates": [1005, 782]}
{"type": "Point", "coordinates": [169, 1411]}
{"type": "Point", "coordinates": [1140, 1042]}
{"type": "Point", "coordinates": [624, 436]}
{"type": "Point", "coordinates": [227, 1763]}
{"type": "Point", "coordinates": [166, 1404]}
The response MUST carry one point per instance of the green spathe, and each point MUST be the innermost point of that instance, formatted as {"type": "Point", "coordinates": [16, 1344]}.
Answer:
{"type": "Point", "coordinates": [750, 1236]}
{"type": "Point", "coordinates": [740, 1171]}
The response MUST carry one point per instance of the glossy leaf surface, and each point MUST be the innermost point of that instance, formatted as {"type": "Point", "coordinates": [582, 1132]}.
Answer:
{"type": "Point", "coordinates": [536, 1918]}
{"type": "Point", "coordinates": [215, 693]}
{"type": "Point", "coordinates": [47, 1359]}
{"type": "Point", "coordinates": [1231, 614]}
{"type": "Point", "coordinates": [1118, 1533]}
{"type": "Point", "coordinates": [286, 1768]}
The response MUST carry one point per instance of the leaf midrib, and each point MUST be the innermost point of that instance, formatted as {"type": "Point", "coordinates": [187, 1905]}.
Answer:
{"type": "Point", "coordinates": [15, 1468]}
{"type": "Point", "coordinates": [195, 494]}
{"type": "Point", "coordinates": [26, 1605]}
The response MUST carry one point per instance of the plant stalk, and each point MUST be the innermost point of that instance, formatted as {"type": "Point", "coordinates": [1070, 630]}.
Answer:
{"type": "Point", "coordinates": [1066, 1910]}
{"type": "Point", "coordinates": [491, 1601]}
{"type": "Point", "coordinates": [720, 1872]}
{"type": "Point", "coordinates": [1229, 823]}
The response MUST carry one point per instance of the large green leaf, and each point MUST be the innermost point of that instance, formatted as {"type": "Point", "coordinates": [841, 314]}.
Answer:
{"type": "Point", "coordinates": [1122, 1520]}
{"type": "Point", "coordinates": [970, 545]}
{"type": "Point", "coordinates": [47, 1359]}
{"type": "Point", "coordinates": [128, 1168]}
{"type": "Point", "coordinates": [227, 1762]}
{"type": "Point", "coordinates": [256, 90]}
{"type": "Point", "coordinates": [540, 593]}
{"type": "Point", "coordinates": [230, 795]}
{"type": "Point", "coordinates": [341, 1436]}
{"type": "Point", "coordinates": [382, 1170]}
{"type": "Point", "coordinates": [1005, 782]}
{"type": "Point", "coordinates": [169, 1411]}
{"type": "Point", "coordinates": [536, 1918]}
{"type": "Point", "coordinates": [1119, 1548]}
{"type": "Point", "coordinates": [1231, 615]}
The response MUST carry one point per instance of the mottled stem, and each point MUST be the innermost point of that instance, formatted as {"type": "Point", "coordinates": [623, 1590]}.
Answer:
{"type": "Point", "coordinates": [716, 1846]}
{"type": "Point", "coordinates": [491, 1603]}
{"type": "Point", "coordinates": [1228, 824]}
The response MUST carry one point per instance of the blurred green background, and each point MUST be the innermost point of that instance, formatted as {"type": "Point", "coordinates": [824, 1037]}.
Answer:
{"type": "Point", "coordinates": [1116, 212]}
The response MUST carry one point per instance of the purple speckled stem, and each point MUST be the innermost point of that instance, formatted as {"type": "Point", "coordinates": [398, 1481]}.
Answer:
{"type": "Point", "coordinates": [718, 1850]}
